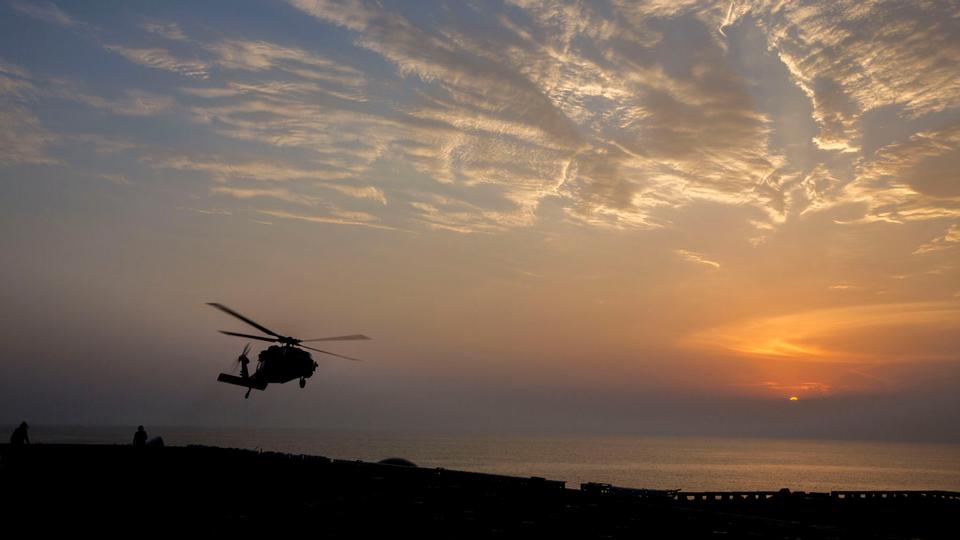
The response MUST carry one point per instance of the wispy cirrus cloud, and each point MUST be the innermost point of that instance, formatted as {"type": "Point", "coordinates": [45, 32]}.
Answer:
{"type": "Point", "coordinates": [910, 180]}
{"type": "Point", "coordinates": [45, 11]}
{"type": "Point", "coordinates": [162, 59]}
{"type": "Point", "coordinates": [23, 138]}
{"type": "Point", "coordinates": [879, 54]}
{"type": "Point", "coordinates": [168, 30]}
{"type": "Point", "coordinates": [604, 109]}
{"type": "Point", "coordinates": [359, 192]}
{"type": "Point", "coordinates": [105, 145]}
{"type": "Point", "coordinates": [263, 55]}
{"type": "Point", "coordinates": [131, 103]}
{"type": "Point", "coordinates": [949, 240]}
{"type": "Point", "coordinates": [334, 217]}
{"type": "Point", "coordinates": [577, 120]}
{"type": "Point", "coordinates": [281, 194]}
{"type": "Point", "coordinates": [699, 258]}
{"type": "Point", "coordinates": [224, 169]}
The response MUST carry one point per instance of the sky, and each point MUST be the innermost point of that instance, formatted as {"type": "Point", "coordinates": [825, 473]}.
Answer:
{"type": "Point", "coordinates": [650, 217]}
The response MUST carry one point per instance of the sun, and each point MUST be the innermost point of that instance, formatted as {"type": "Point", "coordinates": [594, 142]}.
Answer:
{"type": "Point", "coordinates": [794, 398]}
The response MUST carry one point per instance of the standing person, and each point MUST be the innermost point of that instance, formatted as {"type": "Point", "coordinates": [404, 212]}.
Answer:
{"type": "Point", "coordinates": [140, 437]}
{"type": "Point", "coordinates": [20, 436]}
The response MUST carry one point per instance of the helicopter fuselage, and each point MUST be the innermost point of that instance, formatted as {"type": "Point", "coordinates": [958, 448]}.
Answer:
{"type": "Point", "coordinates": [281, 363]}
{"type": "Point", "coordinates": [276, 364]}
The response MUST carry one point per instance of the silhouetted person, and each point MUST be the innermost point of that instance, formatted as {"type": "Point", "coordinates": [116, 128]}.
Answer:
{"type": "Point", "coordinates": [20, 436]}
{"type": "Point", "coordinates": [140, 437]}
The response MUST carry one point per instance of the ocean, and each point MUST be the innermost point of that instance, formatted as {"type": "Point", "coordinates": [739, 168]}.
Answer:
{"type": "Point", "coordinates": [687, 463]}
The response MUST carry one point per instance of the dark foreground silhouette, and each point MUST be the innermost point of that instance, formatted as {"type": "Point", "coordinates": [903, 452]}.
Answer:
{"type": "Point", "coordinates": [20, 435]}
{"type": "Point", "coordinates": [95, 486]}
{"type": "Point", "coordinates": [140, 437]}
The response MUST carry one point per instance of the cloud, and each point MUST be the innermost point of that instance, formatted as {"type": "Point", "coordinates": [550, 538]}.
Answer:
{"type": "Point", "coordinates": [844, 286]}
{"type": "Point", "coordinates": [353, 14]}
{"type": "Point", "coordinates": [223, 169]}
{"type": "Point", "coordinates": [162, 59]}
{"type": "Point", "coordinates": [486, 124]}
{"type": "Point", "coordinates": [263, 55]}
{"type": "Point", "coordinates": [45, 11]}
{"type": "Point", "coordinates": [335, 217]}
{"type": "Point", "coordinates": [622, 114]}
{"type": "Point", "coordinates": [281, 194]}
{"type": "Point", "coordinates": [106, 145]}
{"type": "Point", "coordinates": [614, 129]}
{"type": "Point", "coordinates": [805, 389]}
{"type": "Point", "coordinates": [303, 185]}
{"type": "Point", "coordinates": [695, 257]}
{"type": "Point", "coordinates": [869, 334]}
{"type": "Point", "coordinates": [113, 178]}
{"type": "Point", "coordinates": [877, 54]}
{"type": "Point", "coordinates": [23, 138]}
{"type": "Point", "coordinates": [454, 216]}
{"type": "Point", "coordinates": [167, 30]}
{"type": "Point", "coordinates": [300, 114]}
{"type": "Point", "coordinates": [532, 115]}
{"type": "Point", "coordinates": [133, 102]}
{"type": "Point", "coordinates": [207, 211]}
{"type": "Point", "coordinates": [949, 240]}
{"type": "Point", "coordinates": [360, 192]}
{"type": "Point", "coordinates": [892, 190]}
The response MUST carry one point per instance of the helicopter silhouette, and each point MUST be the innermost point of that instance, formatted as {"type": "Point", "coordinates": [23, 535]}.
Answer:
{"type": "Point", "coordinates": [279, 363]}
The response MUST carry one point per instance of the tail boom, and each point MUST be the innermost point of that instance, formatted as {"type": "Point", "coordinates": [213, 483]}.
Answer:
{"type": "Point", "coordinates": [245, 382]}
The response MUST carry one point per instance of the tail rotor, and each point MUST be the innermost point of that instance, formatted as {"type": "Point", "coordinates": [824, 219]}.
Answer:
{"type": "Point", "coordinates": [243, 361]}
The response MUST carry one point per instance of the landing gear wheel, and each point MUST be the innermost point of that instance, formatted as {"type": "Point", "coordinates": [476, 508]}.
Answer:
{"type": "Point", "coordinates": [303, 382]}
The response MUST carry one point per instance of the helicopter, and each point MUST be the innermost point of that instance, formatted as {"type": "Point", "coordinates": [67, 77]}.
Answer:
{"type": "Point", "coordinates": [280, 363]}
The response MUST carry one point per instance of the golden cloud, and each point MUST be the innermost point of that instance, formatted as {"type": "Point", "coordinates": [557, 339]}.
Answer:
{"type": "Point", "coordinates": [866, 334]}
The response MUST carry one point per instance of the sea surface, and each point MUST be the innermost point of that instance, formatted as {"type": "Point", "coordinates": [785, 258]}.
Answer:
{"type": "Point", "coordinates": [687, 463]}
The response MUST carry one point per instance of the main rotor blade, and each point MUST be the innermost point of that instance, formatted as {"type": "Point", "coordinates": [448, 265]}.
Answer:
{"type": "Point", "coordinates": [271, 340]}
{"type": "Point", "coordinates": [338, 338]}
{"type": "Point", "coordinates": [229, 311]}
{"type": "Point", "coordinates": [332, 354]}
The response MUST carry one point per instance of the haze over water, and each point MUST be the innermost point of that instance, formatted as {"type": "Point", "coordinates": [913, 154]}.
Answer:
{"type": "Point", "coordinates": [688, 463]}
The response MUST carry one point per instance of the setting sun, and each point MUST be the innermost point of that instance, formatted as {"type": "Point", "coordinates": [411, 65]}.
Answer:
{"type": "Point", "coordinates": [794, 398]}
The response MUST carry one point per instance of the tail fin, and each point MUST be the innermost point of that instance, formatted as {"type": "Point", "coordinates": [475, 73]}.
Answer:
{"type": "Point", "coordinates": [243, 360]}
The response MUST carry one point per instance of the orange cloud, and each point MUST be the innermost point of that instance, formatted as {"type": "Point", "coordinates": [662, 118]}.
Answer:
{"type": "Point", "coordinates": [868, 333]}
